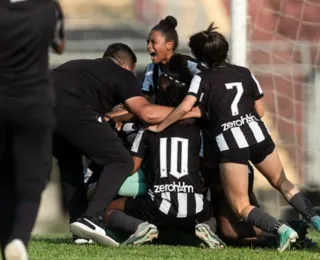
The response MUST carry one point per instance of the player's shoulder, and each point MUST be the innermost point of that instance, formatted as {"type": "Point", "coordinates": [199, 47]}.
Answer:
{"type": "Point", "coordinates": [114, 69]}
{"type": "Point", "coordinates": [194, 65]}
{"type": "Point", "coordinates": [204, 75]}
{"type": "Point", "coordinates": [71, 64]}
{"type": "Point", "coordinates": [243, 71]}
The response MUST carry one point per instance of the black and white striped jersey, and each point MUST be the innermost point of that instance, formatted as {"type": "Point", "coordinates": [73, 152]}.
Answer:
{"type": "Point", "coordinates": [171, 165]}
{"type": "Point", "coordinates": [153, 71]}
{"type": "Point", "coordinates": [229, 94]}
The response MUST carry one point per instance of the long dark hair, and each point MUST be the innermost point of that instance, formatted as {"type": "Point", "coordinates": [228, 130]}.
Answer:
{"type": "Point", "coordinates": [209, 47]}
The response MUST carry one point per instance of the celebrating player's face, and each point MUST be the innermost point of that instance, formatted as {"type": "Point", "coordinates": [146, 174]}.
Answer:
{"type": "Point", "coordinates": [160, 50]}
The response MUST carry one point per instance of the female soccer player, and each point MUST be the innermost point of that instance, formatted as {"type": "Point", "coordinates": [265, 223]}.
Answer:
{"type": "Point", "coordinates": [171, 164]}
{"type": "Point", "coordinates": [162, 43]}
{"type": "Point", "coordinates": [232, 99]}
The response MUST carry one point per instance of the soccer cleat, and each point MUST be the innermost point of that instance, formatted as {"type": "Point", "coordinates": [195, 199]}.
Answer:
{"type": "Point", "coordinates": [15, 250]}
{"type": "Point", "coordinates": [92, 228]}
{"type": "Point", "coordinates": [286, 236]}
{"type": "Point", "coordinates": [145, 232]}
{"type": "Point", "coordinates": [315, 221]}
{"type": "Point", "coordinates": [211, 240]}
{"type": "Point", "coordinates": [81, 241]}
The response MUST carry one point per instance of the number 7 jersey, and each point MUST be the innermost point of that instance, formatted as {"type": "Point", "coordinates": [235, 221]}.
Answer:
{"type": "Point", "coordinates": [228, 94]}
{"type": "Point", "coordinates": [171, 166]}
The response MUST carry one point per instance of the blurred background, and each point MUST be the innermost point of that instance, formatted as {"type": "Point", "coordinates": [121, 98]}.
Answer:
{"type": "Point", "coordinates": [279, 40]}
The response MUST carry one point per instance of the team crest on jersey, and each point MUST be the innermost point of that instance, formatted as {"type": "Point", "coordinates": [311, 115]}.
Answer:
{"type": "Point", "coordinates": [239, 122]}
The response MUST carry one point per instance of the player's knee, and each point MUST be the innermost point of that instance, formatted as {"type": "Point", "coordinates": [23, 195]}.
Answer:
{"type": "Point", "coordinates": [241, 210]}
{"type": "Point", "coordinates": [121, 157]}
{"type": "Point", "coordinates": [126, 162]}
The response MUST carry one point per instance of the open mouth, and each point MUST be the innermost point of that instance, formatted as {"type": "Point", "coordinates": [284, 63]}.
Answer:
{"type": "Point", "coordinates": [152, 54]}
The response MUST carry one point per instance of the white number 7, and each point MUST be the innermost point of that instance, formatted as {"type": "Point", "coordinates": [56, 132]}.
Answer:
{"type": "Point", "coordinates": [234, 104]}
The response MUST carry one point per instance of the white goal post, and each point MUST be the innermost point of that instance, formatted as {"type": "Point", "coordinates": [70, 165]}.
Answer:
{"type": "Point", "coordinates": [239, 40]}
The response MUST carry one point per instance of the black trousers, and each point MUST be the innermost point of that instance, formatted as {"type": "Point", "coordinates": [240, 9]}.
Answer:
{"type": "Point", "coordinates": [78, 132]}
{"type": "Point", "coordinates": [26, 125]}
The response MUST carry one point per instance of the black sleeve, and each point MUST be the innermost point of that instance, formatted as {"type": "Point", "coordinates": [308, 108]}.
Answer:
{"type": "Point", "coordinates": [128, 86]}
{"type": "Point", "coordinates": [138, 147]}
{"type": "Point", "coordinates": [196, 87]}
{"type": "Point", "coordinates": [256, 88]}
{"type": "Point", "coordinates": [59, 32]}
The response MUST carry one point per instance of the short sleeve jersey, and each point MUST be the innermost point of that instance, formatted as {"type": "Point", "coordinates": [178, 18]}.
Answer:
{"type": "Point", "coordinates": [228, 94]}
{"type": "Point", "coordinates": [171, 165]}
{"type": "Point", "coordinates": [99, 83]}
{"type": "Point", "coordinates": [153, 71]}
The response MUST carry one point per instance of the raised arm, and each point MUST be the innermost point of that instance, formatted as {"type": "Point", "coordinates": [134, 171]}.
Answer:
{"type": "Point", "coordinates": [179, 113]}
{"type": "Point", "coordinates": [154, 114]}
{"type": "Point", "coordinates": [184, 108]}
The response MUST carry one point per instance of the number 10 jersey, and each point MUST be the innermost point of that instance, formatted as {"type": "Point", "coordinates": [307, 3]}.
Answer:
{"type": "Point", "coordinates": [171, 165]}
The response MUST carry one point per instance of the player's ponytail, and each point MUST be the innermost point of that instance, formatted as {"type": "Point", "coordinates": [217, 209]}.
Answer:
{"type": "Point", "coordinates": [209, 46]}
{"type": "Point", "coordinates": [167, 27]}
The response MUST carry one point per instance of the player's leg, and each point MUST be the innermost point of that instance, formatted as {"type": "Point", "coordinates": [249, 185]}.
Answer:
{"type": "Point", "coordinates": [205, 228]}
{"type": "Point", "coordinates": [234, 179]}
{"type": "Point", "coordinates": [32, 153]}
{"type": "Point", "coordinates": [234, 231]}
{"type": "Point", "coordinates": [7, 189]}
{"type": "Point", "coordinates": [132, 215]}
{"type": "Point", "coordinates": [272, 169]}
{"type": "Point", "coordinates": [133, 186]}
{"type": "Point", "coordinates": [100, 144]}
{"type": "Point", "coordinates": [71, 176]}
{"type": "Point", "coordinates": [72, 181]}
{"type": "Point", "coordinates": [237, 232]}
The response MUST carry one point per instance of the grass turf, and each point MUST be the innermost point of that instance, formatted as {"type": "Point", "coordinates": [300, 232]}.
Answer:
{"type": "Point", "coordinates": [60, 248]}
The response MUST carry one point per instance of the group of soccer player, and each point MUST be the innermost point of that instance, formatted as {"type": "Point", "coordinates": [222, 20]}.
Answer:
{"type": "Point", "coordinates": [196, 124]}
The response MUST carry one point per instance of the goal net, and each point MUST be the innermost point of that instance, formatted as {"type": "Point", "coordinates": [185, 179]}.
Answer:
{"type": "Point", "coordinates": [284, 54]}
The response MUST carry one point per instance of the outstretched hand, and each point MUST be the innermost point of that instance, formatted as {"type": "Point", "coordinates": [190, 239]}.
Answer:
{"type": "Point", "coordinates": [153, 128]}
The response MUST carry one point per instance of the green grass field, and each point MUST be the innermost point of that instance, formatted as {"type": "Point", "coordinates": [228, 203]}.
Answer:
{"type": "Point", "coordinates": [59, 248]}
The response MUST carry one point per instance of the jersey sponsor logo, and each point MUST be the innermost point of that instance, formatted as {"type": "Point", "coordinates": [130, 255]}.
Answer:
{"type": "Point", "coordinates": [239, 122]}
{"type": "Point", "coordinates": [174, 187]}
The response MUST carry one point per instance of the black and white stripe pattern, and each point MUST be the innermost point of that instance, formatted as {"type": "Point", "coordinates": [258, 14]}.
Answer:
{"type": "Point", "coordinates": [171, 159]}
{"type": "Point", "coordinates": [243, 136]}
{"type": "Point", "coordinates": [179, 204]}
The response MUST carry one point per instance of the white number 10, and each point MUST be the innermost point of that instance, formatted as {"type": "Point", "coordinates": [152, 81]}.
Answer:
{"type": "Point", "coordinates": [234, 104]}
{"type": "Point", "coordinates": [174, 157]}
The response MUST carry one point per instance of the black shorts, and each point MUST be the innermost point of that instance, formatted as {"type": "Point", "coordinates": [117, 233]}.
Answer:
{"type": "Point", "coordinates": [255, 153]}
{"type": "Point", "coordinates": [144, 208]}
